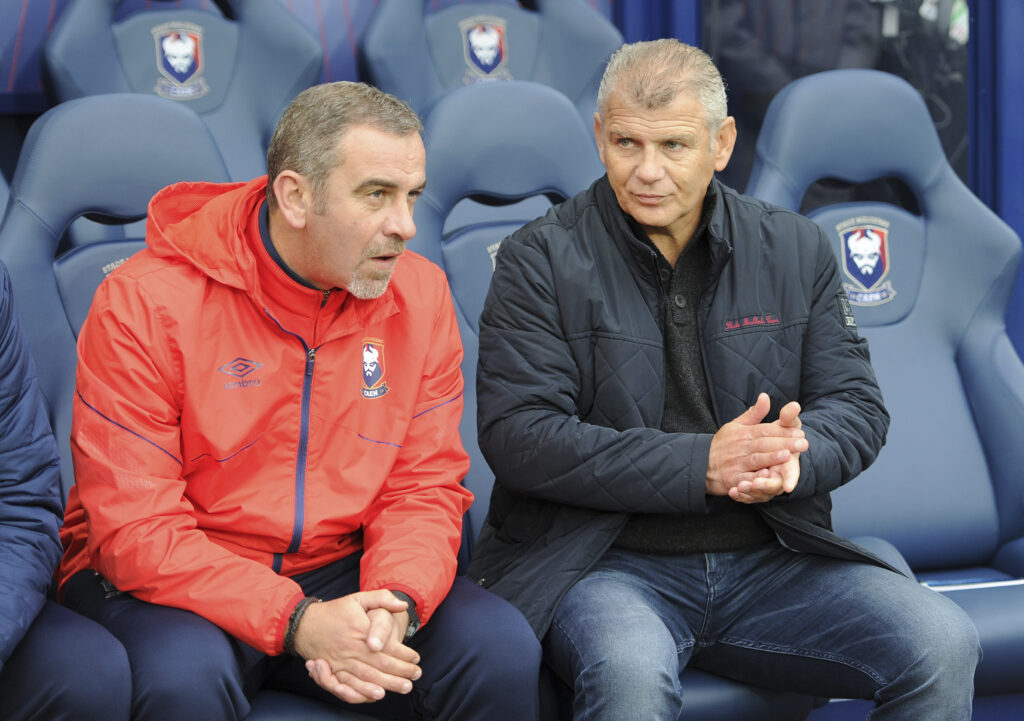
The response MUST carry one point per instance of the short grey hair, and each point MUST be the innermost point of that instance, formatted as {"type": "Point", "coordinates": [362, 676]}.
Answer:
{"type": "Point", "coordinates": [307, 135]}
{"type": "Point", "coordinates": [652, 73]}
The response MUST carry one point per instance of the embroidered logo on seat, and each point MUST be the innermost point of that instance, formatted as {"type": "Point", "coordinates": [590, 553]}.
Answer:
{"type": "Point", "coordinates": [179, 58]}
{"type": "Point", "coordinates": [492, 250]}
{"type": "Point", "coordinates": [108, 268]}
{"type": "Point", "coordinates": [485, 49]}
{"type": "Point", "coordinates": [865, 243]}
{"type": "Point", "coordinates": [374, 384]}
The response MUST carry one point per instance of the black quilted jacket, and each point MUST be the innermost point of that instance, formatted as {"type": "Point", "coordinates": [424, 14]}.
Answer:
{"type": "Point", "coordinates": [570, 385]}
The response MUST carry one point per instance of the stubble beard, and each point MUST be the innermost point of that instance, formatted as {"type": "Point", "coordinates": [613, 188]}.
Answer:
{"type": "Point", "coordinates": [369, 284]}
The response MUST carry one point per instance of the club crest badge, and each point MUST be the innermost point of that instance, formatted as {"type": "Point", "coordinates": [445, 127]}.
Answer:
{"type": "Point", "coordinates": [374, 384]}
{"type": "Point", "coordinates": [865, 243]}
{"type": "Point", "coordinates": [179, 58]}
{"type": "Point", "coordinates": [484, 44]}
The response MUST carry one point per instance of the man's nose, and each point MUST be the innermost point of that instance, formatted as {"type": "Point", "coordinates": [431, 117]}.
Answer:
{"type": "Point", "coordinates": [650, 168]}
{"type": "Point", "coordinates": [400, 223]}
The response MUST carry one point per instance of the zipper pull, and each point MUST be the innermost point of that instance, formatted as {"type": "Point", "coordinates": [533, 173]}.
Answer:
{"type": "Point", "coordinates": [327, 294]}
{"type": "Point", "coordinates": [310, 359]}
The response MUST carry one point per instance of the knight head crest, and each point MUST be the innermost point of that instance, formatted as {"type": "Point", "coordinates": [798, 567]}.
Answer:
{"type": "Point", "coordinates": [180, 53]}
{"type": "Point", "coordinates": [370, 358]}
{"type": "Point", "coordinates": [179, 60]}
{"type": "Point", "coordinates": [866, 254]}
{"type": "Point", "coordinates": [866, 263]}
{"type": "Point", "coordinates": [374, 385]}
{"type": "Point", "coordinates": [485, 45]}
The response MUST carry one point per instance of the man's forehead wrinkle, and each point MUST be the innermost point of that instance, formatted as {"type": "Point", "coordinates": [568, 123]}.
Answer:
{"type": "Point", "coordinates": [663, 128]}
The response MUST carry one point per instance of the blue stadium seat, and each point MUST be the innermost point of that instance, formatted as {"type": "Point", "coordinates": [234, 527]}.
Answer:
{"type": "Point", "coordinates": [418, 56]}
{"type": "Point", "coordinates": [929, 290]}
{"type": "Point", "coordinates": [237, 73]}
{"type": "Point", "coordinates": [136, 145]}
{"type": "Point", "coordinates": [504, 143]}
{"type": "Point", "coordinates": [127, 7]}
{"type": "Point", "coordinates": [336, 25]}
{"type": "Point", "coordinates": [104, 155]}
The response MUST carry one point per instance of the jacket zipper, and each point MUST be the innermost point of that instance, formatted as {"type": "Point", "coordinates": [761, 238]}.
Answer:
{"type": "Point", "coordinates": [300, 462]}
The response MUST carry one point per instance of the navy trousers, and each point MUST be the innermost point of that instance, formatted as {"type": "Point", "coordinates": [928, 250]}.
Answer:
{"type": "Point", "coordinates": [479, 657]}
{"type": "Point", "coordinates": [65, 668]}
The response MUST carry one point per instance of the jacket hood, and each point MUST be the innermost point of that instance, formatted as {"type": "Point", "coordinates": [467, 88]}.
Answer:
{"type": "Point", "coordinates": [183, 217]}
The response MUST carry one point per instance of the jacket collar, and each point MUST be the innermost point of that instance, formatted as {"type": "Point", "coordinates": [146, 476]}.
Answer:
{"type": "Point", "coordinates": [299, 307]}
{"type": "Point", "coordinates": [215, 227]}
{"type": "Point", "coordinates": [633, 242]}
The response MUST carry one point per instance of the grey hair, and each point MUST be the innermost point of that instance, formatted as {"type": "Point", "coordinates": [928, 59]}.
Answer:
{"type": "Point", "coordinates": [307, 135]}
{"type": "Point", "coordinates": [652, 73]}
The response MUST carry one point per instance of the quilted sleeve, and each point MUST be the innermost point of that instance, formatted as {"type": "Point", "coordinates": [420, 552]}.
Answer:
{"type": "Point", "coordinates": [29, 490]}
{"type": "Point", "coordinates": [529, 414]}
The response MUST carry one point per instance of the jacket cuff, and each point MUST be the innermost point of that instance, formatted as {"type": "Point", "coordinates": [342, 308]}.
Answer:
{"type": "Point", "coordinates": [414, 618]}
{"type": "Point", "coordinates": [698, 501]}
{"type": "Point", "coordinates": [284, 621]}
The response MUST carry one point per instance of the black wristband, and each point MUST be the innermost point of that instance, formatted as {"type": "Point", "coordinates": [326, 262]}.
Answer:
{"type": "Point", "coordinates": [414, 618]}
{"type": "Point", "coordinates": [293, 622]}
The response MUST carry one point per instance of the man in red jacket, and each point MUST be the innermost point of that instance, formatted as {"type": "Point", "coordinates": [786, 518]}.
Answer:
{"type": "Point", "coordinates": [266, 450]}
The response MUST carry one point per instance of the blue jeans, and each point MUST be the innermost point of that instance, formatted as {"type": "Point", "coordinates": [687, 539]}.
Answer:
{"type": "Point", "coordinates": [480, 659]}
{"type": "Point", "coordinates": [769, 617]}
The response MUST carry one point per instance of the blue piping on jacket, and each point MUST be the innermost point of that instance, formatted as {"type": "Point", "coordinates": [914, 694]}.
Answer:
{"type": "Point", "coordinates": [227, 458]}
{"type": "Point", "coordinates": [439, 405]}
{"type": "Point", "coordinates": [129, 430]}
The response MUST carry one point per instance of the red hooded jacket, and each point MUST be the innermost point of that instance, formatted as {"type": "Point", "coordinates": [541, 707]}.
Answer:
{"type": "Point", "coordinates": [233, 427]}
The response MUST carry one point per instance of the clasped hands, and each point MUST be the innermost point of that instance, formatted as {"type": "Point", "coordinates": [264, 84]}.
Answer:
{"type": "Point", "coordinates": [353, 646]}
{"type": "Point", "coordinates": [752, 461]}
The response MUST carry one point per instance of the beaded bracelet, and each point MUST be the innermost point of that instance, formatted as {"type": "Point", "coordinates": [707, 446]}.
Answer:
{"type": "Point", "coordinates": [293, 622]}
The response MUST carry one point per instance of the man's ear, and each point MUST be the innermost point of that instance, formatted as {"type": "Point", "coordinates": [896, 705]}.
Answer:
{"type": "Point", "coordinates": [294, 198]}
{"type": "Point", "coordinates": [725, 141]}
{"type": "Point", "coordinates": [598, 138]}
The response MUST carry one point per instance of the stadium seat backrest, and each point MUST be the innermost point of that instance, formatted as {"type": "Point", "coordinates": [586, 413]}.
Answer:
{"type": "Point", "coordinates": [929, 291]}
{"type": "Point", "coordinates": [420, 55]}
{"type": "Point", "coordinates": [106, 155]}
{"type": "Point", "coordinates": [501, 144]}
{"type": "Point", "coordinates": [336, 25]}
{"type": "Point", "coordinates": [237, 73]}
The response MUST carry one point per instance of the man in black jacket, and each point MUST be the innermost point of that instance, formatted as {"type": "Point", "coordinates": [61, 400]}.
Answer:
{"type": "Point", "coordinates": [670, 385]}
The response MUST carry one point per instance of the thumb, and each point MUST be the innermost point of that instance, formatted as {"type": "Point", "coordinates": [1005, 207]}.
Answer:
{"type": "Point", "coordinates": [757, 412]}
{"type": "Point", "coordinates": [789, 416]}
{"type": "Point", "coordinates": [381, 598]}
